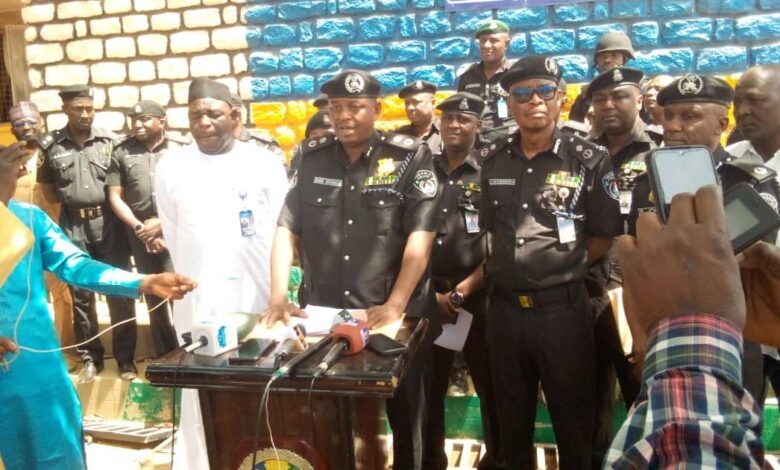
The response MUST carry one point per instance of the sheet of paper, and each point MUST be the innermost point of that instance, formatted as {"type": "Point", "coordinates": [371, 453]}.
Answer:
{"type": "Point", "coordinates": [453, 335]}
{"type": "Point", "coordinates": [391, 329]}
{"type": "Point", "coordinates": [320, 319]}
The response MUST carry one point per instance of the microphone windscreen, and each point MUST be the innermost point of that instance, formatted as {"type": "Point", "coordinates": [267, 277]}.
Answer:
{"type": "Point", "coordinates": [354, 333]}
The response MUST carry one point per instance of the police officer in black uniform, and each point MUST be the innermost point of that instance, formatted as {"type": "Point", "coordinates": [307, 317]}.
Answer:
{"type": "Point", "coordinates": [248, 135]}
{"type": "Point", "coordinates": [73, 171]}
{"type": "Point", "coordinates": [419, 103]}
{"type": "Point", "coordinates": [130, 184]}
{"type": "Point", "coordinates": [362, 212]}
{"type": "Point", "coordinates": [616, 101]}
{"type": "Point", "coordinates": [457, 272]}
{"type": "Point", "coordinates": [696, 113]}
{"type": "Point", "coordinates": [482, 79]}
{"type": "Point", "coordinates": [614, 49]}
{"type": "Point", "coordinates": [547, 211]}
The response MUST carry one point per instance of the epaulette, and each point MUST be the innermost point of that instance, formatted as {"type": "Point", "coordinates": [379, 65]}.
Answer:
{"type": "Point", "coordinates": [589, 153]}
{"type": "Point", "coordinates": [121, 139]}
{"type": "Point", "coordinates": [313, 145]}
{"type": "Point", "coordinates": [48, 139]}
{"type": "Point", "coordinates": [576, 128]}
{"type": "Point", "coordinates": [269, 141]}
{"type": "Point", "coordinates": [656, 134]}
{"type": "Point", "coordinates": [753, 171]}
{"type": "Point", "coordinates": [107, 134]}
{"type": "Point", "coordinates": [496, 145]}
{"type": "Point", "coordinates": [178, 139]}
{"type": "Point", "coordinates": [400, 140]}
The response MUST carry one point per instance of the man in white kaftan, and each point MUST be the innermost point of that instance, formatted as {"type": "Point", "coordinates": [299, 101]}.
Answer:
{"type": "Point", "coordinates": [218, 201]}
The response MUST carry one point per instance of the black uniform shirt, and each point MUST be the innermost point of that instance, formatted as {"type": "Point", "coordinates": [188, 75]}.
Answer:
{"type": "Point", "coordinates": [473, 81]}
{"type": "Point", "coordinates": [460, 244]}
{"type": "Point", "coordinates": [78, 174]}
{"type": "Point", "coordinates": [354, 220]}
{"type": "Point", "coordinates": [433, 138]}
{"type": "Point", "coordinates": [731, 171]}
{"type": "Point", "coordinates": [631, 160]}
{"type": "Point", "coordinates": [519, 198]}
{"type": "Point", "coordinates": [132, 168]}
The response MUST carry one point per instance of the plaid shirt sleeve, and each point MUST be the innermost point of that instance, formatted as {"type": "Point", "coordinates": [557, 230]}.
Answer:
{"type": "Point", "coordinates": [692, 411]}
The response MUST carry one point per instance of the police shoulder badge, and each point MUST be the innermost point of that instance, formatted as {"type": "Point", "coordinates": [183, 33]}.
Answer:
{"type": "Point", "coordinates": [611, 186]}
{"type": "Point", "coordinates": [425, 182]}
{"type": "Point", "coordinates": [354, 83]}
{"type": "Point", "coordinates": [690, 84]}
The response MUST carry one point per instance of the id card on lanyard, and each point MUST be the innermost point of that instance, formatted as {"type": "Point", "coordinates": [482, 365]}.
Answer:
{"type": "Point", "coordinates": [246, 218]}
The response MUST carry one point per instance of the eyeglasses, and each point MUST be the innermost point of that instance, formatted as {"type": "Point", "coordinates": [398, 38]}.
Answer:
{"type": "Point", "coordinates": [545, 92]}
{"type": "Point", "coordinates": [20, 124]}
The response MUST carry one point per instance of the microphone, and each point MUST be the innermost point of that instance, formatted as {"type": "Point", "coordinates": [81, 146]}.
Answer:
{"type": "Point", "coordinates": [296, 360]}
{"type": "Point", "coordinates": [350, 337]}
{"type": "Point", "coordinates": [299, 337]}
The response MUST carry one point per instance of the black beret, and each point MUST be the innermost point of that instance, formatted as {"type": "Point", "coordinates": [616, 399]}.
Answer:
{"type": "Point", "coordinates": [207, 88]}
{"type": "Point", "coordinates": [417, 86]}
{"type": "Point", "coordinates": [462, 102]}
{"type": "Point", "coordinates": [352, 84]}
{"type": "Point", "coordinates": [320, 120]}
{"type": "Point", "coordinates": [696, 88]}
{"type": "Point", "coordinates": [533, 66]}
{"type": "Point", "coordinates": [75, 91]}
{"type": "Point", "coordinates": [320, 101]}
{"type": "Point", "coordinates": [491, 27]}
{"type": "Point", "coordinates": [147, 108]}
{"type": "Point", "coordinates": [614, 77]}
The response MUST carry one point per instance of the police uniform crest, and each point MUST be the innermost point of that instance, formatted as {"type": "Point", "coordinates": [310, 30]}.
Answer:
{"type": "Point", "coordinates": [617, 76]}
{"type": "Point", "coordinates": [551, 66]}
{"type": "Point", "coordinates": [354, 83]}
{"type": "Point", "coordinates": [464, 104]}
{"type": "Point", "coordinates": [690, 84]}
{"type": "Point", "coordinates": [611, 186]}
{"type": "Point", "coordinates": [425, 182]}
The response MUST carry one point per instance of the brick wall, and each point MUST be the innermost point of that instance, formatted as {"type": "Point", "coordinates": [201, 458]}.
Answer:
{"type": "Point", "coordinates": [129, 50]}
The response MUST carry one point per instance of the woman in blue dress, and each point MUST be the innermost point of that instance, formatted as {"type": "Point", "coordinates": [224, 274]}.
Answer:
{"type": "Point", "coordinates": [39, 409]}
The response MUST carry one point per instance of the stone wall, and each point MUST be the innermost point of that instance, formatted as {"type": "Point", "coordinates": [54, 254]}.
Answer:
{"type": "Point", "coordinates": [129, 50]}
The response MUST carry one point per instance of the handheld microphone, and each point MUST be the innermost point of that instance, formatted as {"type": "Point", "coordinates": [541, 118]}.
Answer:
{"type": "Point", "coordinates": [295, 361]}
{"type": "Point", "coordinates": [350, 338]}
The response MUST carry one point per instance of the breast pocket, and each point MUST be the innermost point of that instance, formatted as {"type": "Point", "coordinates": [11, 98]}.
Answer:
{"type": "Point", "coordinates": [386, 210]}
{"type": "Point", "coordinates": [64, 169]}
{"type": "Point", "coordinates": [135, 171]}
{"type": "Point", "coordinates": [320, 211]}
{"type": "Point", "coordinates": [99, 167]}
{"type": "Point", "coordinates": [502, 208]}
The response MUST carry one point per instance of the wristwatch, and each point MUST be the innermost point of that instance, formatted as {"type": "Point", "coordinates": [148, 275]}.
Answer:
{"type": "Point", "coordinates": [457, 298]}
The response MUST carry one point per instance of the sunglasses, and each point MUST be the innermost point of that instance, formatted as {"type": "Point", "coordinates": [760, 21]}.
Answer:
{"type": "Point", "coordinates": [545, 92]}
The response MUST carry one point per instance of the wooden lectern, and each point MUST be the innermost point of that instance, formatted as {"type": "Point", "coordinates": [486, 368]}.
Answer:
{"type": "Point", "coordinates": [332, 423]}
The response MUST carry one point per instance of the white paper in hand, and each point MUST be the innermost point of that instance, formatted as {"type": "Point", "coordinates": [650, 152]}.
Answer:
{"type": "Point", "coordinates": [453, 336]}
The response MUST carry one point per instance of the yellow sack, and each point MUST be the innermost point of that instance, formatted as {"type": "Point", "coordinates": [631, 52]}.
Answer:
{"type": "Point", "coordinates": [15, 241]}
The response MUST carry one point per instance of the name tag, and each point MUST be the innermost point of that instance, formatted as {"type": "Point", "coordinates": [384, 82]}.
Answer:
{"type": "Point", "coordinates": [501, 181]}
{"type": "Point", "coordinates": [471, 218]}
{"type": "Point", "coordinates": [625, 202]}
{"type": "Point", "coordinates": [566, 232]}
{"type": "Point", "coordinates": [501, 108]}
{"type": "Point", "coordinates": [327, 181]}
{"type": "Point", "coordinates": [247, 220]}
{"type": "Point", "coordinates": [380, 180]}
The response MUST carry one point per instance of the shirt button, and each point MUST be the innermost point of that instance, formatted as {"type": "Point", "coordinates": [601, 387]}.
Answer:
{"type": "Point", "coordinates": [352, 188]}
{"type": "Point", "coordinates": [530, 170]}
{"type": "Point", "coordinates": [450, 182]}
{"type": "Point", "coordinates": [495, 203]}
{"type": "Point", "coordinates": [444, 210]}
{"type": "Point", "coordinates": [381, 203]}
{"type": "Point", "coordinates": [349, 222]}
{"type": "Point", "coordinates": [346, 292]}
{"type": "Point", "coordinates": [520, 241]}
{"type": "Point", "coordinates": [438, 242]}
{"type": "Point", "coordinates": [319, 199]}
{"type": "Point", "coordinates": [346, 257]}
{"type": "Point", "coordinates": [525, 205]}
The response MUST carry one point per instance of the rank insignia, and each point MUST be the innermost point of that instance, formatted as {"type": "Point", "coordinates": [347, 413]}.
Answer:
{"type": "Point", "coordinates": [385, 167]}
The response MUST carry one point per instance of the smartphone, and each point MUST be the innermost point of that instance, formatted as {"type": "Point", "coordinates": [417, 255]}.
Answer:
{"type": "Point", "coordinates": [384, 345]}
{"type": "Point", "coordinates": [749, 218]}
{"type": "Point", "coordinates": [251, 351]}
{"type": "Point", "coordinates": [675, 170]}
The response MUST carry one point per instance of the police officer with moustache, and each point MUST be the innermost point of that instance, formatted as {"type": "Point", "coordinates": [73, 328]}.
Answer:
{"type": "Point", "coordinates": [696, 113]}
{"type": "Point", "coordinates": [482, 79]}
{"type": "Point", "coordinates": [457, 272]}
{"type": "Point", "coordinates": [130, 184]}
{"type": "Point", "coordinates": [616, 101]}
{"type": "Point", "coordinates": [547, 211]}
{"type": "Point", "coordinates": [419, 103]}
{"type": "Point", "coordinates": [361, 210]}
{"type": "Point", "coordinates": [73, 171]}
